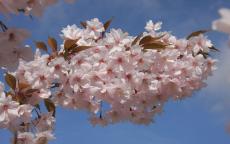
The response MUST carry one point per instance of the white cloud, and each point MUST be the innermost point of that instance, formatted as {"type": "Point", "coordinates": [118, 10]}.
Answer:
{"type": "Point", "coordinates": [217, 95]}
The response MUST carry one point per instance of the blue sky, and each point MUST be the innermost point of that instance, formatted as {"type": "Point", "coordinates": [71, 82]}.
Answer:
{"type": "Point", "coordinates": [199, 119]}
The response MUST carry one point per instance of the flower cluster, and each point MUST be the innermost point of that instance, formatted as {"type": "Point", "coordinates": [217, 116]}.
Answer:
{"type": "Point", "coordinates": [34, 7]}
{"type": "Point", "coordinates": [112, 75]}
{"type": "Point", "coordinates": [18, 118]}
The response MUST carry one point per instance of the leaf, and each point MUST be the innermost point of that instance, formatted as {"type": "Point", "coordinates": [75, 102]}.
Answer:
{"type": "Point", "coordinates": [136, 39]}
{"type": "Point", "coordinates": [197, 33]}
{"type": "Point", "coordinates": [155, 45]}
{"type": "Point", "coordinates": [144, 40]}
{"type": "Point", "coordinates": [23, 86]}
{"type": "Point", "coordinates": [83, 24]}
{"type": "Point", "coordinates": [81, 48]}
{"type": "Point", "coordinates": [149, 39]}
{"type": "Point", "coordinates": [41, 45]}
{"type": "Point", "coordinates": [10, 80]}
{"type": "Point", "coordinates": [50, 106]}
{"type": "Point", "coordinates": [107, 23]}
{"type": "Point", "coordinates": [31, 91]}
{"type": "Point", "coordinates": [53, 44]}
{"type": "Point", "coordinates": [69, 44]}
{"type": "Point", "coordinates": [65, 55]}
{"type": "Point", "coordinates": [213, 48]}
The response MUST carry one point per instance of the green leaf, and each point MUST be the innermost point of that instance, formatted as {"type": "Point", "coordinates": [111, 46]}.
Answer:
{"type": "Point", "coordinates": [41, 45]}
{"type": "Point", "coordinates": [53, 44]}
{"type": "Point", "coordinates": [50, 106]}
{"type": "Point", "coordinates": [10, 80]}
{"type": "Point", "coordinates": [197, 33]}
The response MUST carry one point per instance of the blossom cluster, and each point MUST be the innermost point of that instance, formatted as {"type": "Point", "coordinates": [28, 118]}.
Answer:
{"type": "Point", "coordinates": [18, 119]}
{"type": "Point", "coordinates": [34, 7]}
{"type": "Point", "coordinates": [114, 76]}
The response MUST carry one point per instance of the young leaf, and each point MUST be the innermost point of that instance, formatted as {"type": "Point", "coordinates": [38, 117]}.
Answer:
{"type": "Point", "coordinates": [69, 44]}
{"type": "Point", "coordinates": [81, 48]}
{"type": "Point", "coordinates": [10, 80]}
{"type": "Point", "coordinates": [53, 44]}
{"type": "Point", "coordinates": [31, 91]}
{"type": "Point", "coordinates": [155, 45]}
{"type": "Point", "coordinates": [107, 23]}
{"type": "Point", "coordinates": [146, 39]}
{"type": "Point", "coordinates": [83, 24]}
{"type": "Point", "coordinates": [149, 39]}
{"type": "Point", "coordinates": [136, 39]}
{"type": "Point", "coordinates": [23, 86]}
{"type": "Point", "coordinates": [41, 45]}
{"type": "Point", "coordinates": [50, 106]}
{"type": "Point", "coordinates": [197, 33]}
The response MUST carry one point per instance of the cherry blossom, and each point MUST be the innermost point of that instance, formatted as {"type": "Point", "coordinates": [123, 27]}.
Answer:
{"type": "Point", "coordinates": [150, 26]}
{"type": "Point", "coordinates": [114, 76]}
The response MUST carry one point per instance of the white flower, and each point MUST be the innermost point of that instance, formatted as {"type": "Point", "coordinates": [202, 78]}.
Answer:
{"type": "Point", "coordinates": [94, 28]}
{"type": "Point", "coordinates": [25, 138]}
{"type": "Point", "coordinates": [24, 112]}
{"type": "Point", "coordinates": [44, 137]}
{"type": "Point", "coordinates": [150, 26]}
{"type": "Point", "coordinates": [7, 108]}
{"type": "Point", "coordinates": [117, 37]}
{"type": "Point", "coordinates": [71, 32]}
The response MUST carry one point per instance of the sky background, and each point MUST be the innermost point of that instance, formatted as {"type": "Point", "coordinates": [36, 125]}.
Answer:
{"type": "Point", "coordinates": [199, 119]}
